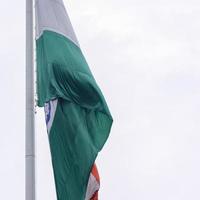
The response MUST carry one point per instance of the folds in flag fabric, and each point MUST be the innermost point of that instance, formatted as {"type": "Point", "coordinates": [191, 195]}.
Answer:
{"type": "Point", "coordinates": [77, 117]}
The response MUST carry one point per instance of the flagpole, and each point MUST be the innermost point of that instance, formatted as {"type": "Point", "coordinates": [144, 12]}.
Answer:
{"type": "Point", "coordinates": [30, 120]}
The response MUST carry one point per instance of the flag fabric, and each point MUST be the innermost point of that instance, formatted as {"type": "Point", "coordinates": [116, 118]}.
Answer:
{"type": "Point", "coordinates": [77, 116]}
{"type": "Point", "coordinates": [93, 184]}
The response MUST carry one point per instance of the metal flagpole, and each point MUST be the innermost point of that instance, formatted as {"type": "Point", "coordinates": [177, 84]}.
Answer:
{"type": "Point", "coordinates": [30, 120]}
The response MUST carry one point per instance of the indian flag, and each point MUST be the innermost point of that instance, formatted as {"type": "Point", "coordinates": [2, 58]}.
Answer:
{"type": "Point", "coordinates": [77, 117]}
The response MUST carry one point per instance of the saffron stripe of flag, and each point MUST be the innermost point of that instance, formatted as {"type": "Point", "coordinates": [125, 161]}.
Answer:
{"type": "Point", "coordinates": [77, 116]}
{"type": "Point", "coordinates": [93, 184]}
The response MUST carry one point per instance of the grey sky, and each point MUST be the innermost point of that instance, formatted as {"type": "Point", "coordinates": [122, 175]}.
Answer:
{"type": "Point", "coordinates": [145, 57]}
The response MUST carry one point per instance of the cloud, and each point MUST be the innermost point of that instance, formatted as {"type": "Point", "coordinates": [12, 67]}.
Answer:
{"type": "Point", "coordinates": [145, 57]}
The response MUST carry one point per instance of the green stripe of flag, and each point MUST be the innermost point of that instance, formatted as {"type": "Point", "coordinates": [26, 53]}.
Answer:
{"type": "Point", "coordinates": [82, 120]}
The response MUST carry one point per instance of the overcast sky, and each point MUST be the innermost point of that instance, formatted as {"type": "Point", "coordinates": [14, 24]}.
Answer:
{"type": "Point", "coordinates": [145, 56]}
